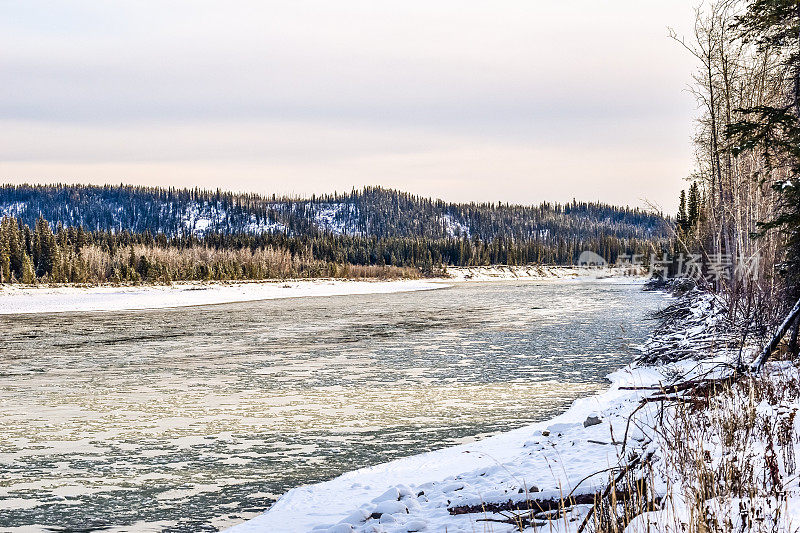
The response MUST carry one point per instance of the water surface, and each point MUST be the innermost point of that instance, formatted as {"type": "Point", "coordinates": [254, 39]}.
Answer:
{"type": "Point", "coordinates": [193, 419]}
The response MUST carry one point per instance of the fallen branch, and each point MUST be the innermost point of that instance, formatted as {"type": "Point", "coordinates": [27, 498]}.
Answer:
{"type": "Point", "coordinates": [769, 348]}
{"type": "Point", "coordinates": [671, 389]}
{"type": "Point", "coordinates": [513, 520]}
{"type": "Point", "coordinates": [527, 505]}
{"type": "Point", "coordinates": [679, 399]}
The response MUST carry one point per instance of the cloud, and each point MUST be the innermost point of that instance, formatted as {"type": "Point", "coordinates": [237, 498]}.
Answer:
{"type": "Point", "coordinates": [290, 85]}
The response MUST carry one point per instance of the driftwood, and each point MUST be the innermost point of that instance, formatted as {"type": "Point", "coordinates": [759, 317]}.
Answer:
{"type": "Point", "coordinates": [527, 505]}
{"type": "Point", "coordinates": [769, 348]}
{"type": "Point", "coordinates": [532, 512]}
{"type": "Point", "coordinates": [523, 521]}
{"type": "Point", "coordinates": [692, 391]}
{"type": "Point", "coordinates": [671, 389]}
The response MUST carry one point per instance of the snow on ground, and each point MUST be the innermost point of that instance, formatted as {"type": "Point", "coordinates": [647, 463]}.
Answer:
{"type": "Point", "coordinates": [540, 273]}
{"type": "Point", "coordinates": [548, 459]}
{"type": "Point", "coordinates": [455, 228]}
{"type": "Point", "coordinates": [16, 299]}
{"type": "Point", "coordinates": [26, 299]}
{"type": "Point", "coordinates": [264, 226]}
{"type": "Point", "coordinates": [11, 209]}
{"type": "Point", "coordinates": [334, 217]}
{"type": "Point", "coordinates": [732, 465]}
{"type": "Point", "coordinates": [201, 218]}
{"type": "Point", "coordinates": [741, 433]}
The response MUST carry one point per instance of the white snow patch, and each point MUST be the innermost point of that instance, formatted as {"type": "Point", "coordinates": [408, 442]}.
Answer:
{"type": "Point", "coordinates": [334, 217]}
{"type": "Point", "coordinates": [26, 299]}
{"type": "Point", "coordinates": [551, 457]}
{"type": "Point", "coordinates": [541, 272]}
{"type": "Point", "coordinates": [12, 209]}
{"type": "Point", "coordinates": [454, 227]}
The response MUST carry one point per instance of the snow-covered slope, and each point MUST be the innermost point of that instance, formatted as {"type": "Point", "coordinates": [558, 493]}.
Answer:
{"type": "Point", "coordinates": [370, 212]}
{"type": "Point", "coordinates": [545, 272]}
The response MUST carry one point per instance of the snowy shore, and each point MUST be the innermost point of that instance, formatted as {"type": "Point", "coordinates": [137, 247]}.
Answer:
{"type": "Point", "coordinates": [415, 493]}
{"type": "Point", "coordinates": [741, 435]}
{"type": "Point", "coordinates": [542, 273]}
{"type": "Point", "coordinates": [17, 299]}
{"type": "Point", "coordinates": [545, 460]}
{"type": "Point", "coordinates": [22, 299]}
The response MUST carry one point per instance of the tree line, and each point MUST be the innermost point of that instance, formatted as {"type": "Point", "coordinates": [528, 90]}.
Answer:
{"type": "Point", "coordinates": [73, 254]}
{"type": "Point", "coordinates": [373, 211]}
{"type": "Point", "coordinates": [744, 198]}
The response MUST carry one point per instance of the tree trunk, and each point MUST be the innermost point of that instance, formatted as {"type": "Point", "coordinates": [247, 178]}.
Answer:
{"type": "Point", "coordinates": [797, 68]}
{"type": "Point", "coordinates": [793, 348]}
{"type": "Point", "coordinates": [769, 348]}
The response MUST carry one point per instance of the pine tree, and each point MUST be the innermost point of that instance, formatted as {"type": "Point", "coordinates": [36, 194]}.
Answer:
{"type": "Point", "coordinates": [28, 274]}
{"type": "Point", "coordinates": [693, 207]}
{"type": "Point", "coordinates": [16, 248]}
{"type": "Point", "coordinates": [682, 220]}
{"type": "Point", "coordinates": [5, 254]}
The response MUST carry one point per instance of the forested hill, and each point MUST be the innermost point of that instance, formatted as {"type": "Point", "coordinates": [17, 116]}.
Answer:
{"type": "Point", "coordinates": [372, 212]}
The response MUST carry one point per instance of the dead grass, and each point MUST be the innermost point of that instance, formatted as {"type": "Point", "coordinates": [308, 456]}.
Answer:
{"type": "Point", "coordinates": [726, 464]}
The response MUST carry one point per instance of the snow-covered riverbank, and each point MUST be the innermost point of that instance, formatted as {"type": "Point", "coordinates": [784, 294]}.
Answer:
{"type": "Point", "coordinates": [22, 299]}
{"type": "Point", "coordinates": [546, 460]}
{"type": "Point", "coordinates": [542, 273]}
{"type": "Point", "coordinates": [415, 493]}
{"type": "Point", "coordinates": [740, 434]}
{"type": "Point", "coordinates": [16, 299]}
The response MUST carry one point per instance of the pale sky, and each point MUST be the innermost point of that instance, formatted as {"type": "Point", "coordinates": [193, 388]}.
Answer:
{"type": "Point", "coordinates": [518, 101]}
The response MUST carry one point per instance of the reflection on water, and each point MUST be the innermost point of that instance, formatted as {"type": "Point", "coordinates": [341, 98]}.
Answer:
{"type": "Point", "coordinates": [196, 418]}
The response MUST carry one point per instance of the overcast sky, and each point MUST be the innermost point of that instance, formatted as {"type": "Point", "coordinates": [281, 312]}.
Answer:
{"type": "Point", "coordinates": [518, 101]}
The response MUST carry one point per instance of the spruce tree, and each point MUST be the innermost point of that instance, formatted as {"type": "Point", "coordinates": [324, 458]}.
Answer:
{"type": "Point", "coordinates": [16, 248]}
{"type": "Point", "coordinates": [682, 220]}
{"type": "Point", "coordinates": [693, 206]}
{"type": "Point", "coordinates": [28, 275]}
{"type": "Point", "coordinates": [5, 257]}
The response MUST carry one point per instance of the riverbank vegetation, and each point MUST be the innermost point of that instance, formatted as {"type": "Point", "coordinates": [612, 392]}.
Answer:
{"type": "Point", "coordinates": [724, 455]}
{"type": "Point", "coordinates": [72, 254]}
{"type": "Point", "coordinates": [721, 454]}
{"type": "Point", "coordinates": [742, 209]}
{"type": "Point", "coordinates": [77, 233]}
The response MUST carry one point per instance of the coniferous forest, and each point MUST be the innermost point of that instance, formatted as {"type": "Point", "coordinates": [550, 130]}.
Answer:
{"type": "Point", "coordinates": [87, 234]}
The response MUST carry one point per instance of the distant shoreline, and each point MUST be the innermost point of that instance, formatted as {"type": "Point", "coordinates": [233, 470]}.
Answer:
{"type": "Point", "coordinates": [64, 298]}
{"type": "Point", "coordinates": [539, 272]}
{"type": "Point", "coordinates": [19, 299]}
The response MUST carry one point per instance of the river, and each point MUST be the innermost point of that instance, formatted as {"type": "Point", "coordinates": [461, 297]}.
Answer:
{"type": "Point", "coordinates": [193, 419]}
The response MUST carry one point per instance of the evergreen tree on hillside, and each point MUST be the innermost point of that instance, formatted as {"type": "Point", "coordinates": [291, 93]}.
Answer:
{"type": "Point", "coordinates": [371, 212]}
{"type": "Point", "coordinates": [693, 205]}
{"type": "Point", "coordinates": [682, 220]}
{"type": "Point", "coordinates": [46, 256]}
{"type": "Point", "coordinates": [5, 256]}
